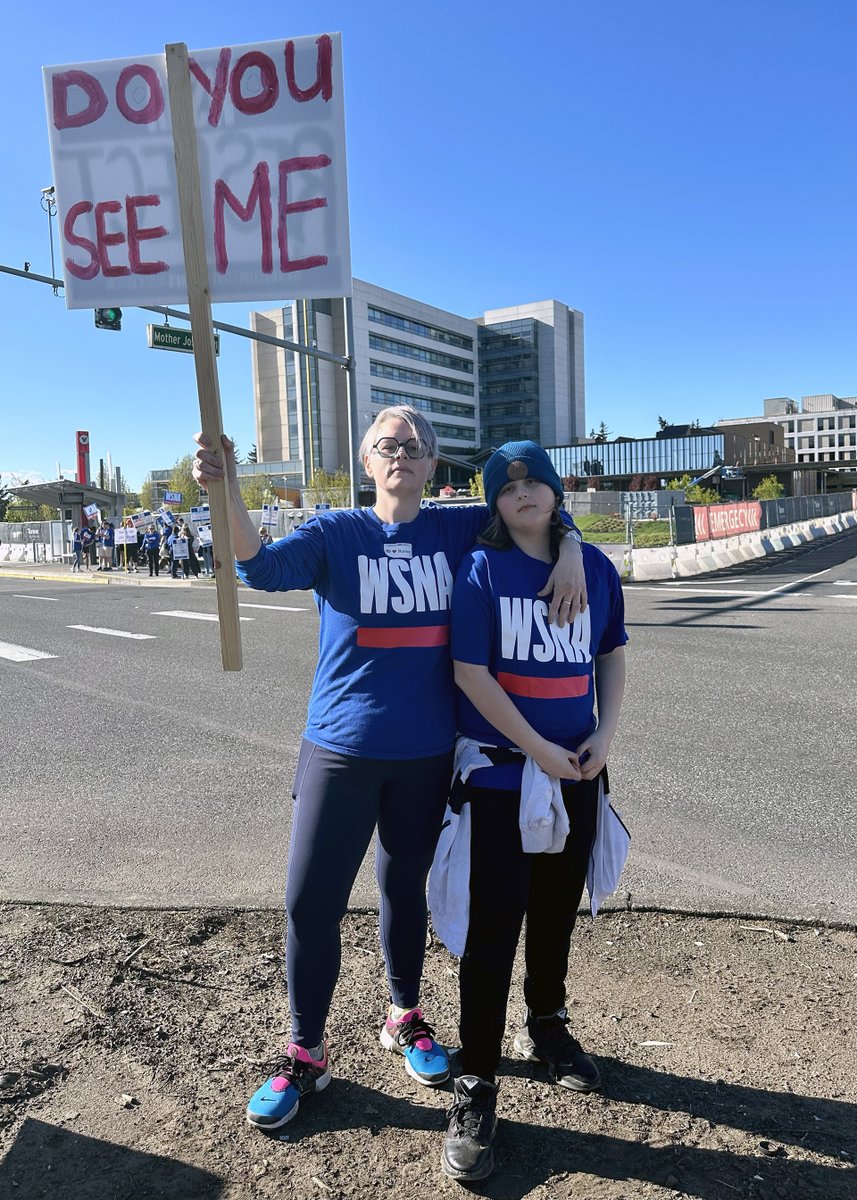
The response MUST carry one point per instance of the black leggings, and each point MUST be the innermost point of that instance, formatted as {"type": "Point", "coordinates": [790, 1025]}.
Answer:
{"type": "Point", "coordinates": [505, 886]}
{"type": "Point", "coordinates": [339, 801]}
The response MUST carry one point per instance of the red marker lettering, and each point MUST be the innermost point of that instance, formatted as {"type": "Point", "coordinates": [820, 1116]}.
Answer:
{"type": "Point", "coordinates": [137, 235]}
{"type": "Point", "coordinates": [323, 71]}
{"type": "Point", "coordinates": [217, 90]}
{"type": "Point", "coordinates": [80, 271]}
{"type": "Point", "coordinates": [154, 106]}
{"type": "Point", "coordinates": [105, 239]}
{"type": "Point", "coordinates": [288, 167]}
{"type": "Point", "coordinates": [250, 105]}
{"type": "Point", "coordinates": [259, 193]}
{"type": "Point", "coordinates": [60, 85]}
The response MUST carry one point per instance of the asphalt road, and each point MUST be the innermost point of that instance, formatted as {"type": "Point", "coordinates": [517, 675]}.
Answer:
{"type": "Point", "coordinates": [134, 771]}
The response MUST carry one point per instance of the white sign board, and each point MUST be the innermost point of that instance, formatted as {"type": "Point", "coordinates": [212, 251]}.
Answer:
{"type": "Point", "coordinates": [180, 549]}
{"type": "Point", "coordinates": [270, 514]}
{"type": "Point", "coordinates": [203, 532]}
{"type": "Point", "coordinates": [91, 510]}
{"type": "Point", "coordinates": [270, 124]}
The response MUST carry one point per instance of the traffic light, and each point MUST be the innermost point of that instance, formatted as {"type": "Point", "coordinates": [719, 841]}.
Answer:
{"type": "Point", "coordinates": [108, 318]}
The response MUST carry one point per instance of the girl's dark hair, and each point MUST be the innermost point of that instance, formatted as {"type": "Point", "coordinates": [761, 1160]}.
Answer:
{"type": "Point", "coordinates": [497, 536]}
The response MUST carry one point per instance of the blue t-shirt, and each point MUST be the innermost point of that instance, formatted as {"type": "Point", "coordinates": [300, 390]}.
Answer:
{"type": "Point", "coordinates": [383, 685]}
{"type": "Point", "coordinates": [498, 621]}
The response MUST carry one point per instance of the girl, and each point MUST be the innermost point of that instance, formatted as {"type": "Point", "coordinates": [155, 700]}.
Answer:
{"type": "Point", "coordinates": [379, 737]}
{"type": "Point", "coordinates": [528, 761]}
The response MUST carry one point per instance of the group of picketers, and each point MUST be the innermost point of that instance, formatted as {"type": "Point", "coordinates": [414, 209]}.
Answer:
{"type": "Point", "coordinates": [174, 549]}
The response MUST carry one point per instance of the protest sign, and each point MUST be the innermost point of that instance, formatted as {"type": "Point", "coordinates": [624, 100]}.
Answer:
{"type": "Point", "coordinates": [270, 514]}
{"type": "Point", "coordinates": [203, 532]}
{"type": "Point", "coordinates": [172, 497]}
{"type": "Point", "coordinates": [90, 510]}
{"type": "Point", "coordinates": [180, 549]}
{"type": "Point", "coordinates": [270, 124]}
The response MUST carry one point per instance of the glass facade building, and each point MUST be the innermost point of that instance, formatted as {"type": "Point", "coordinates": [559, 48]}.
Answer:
{"type": "Point", "coordinates": [509, 381]}
{"type": "Point", "coordinates": [665, 458]}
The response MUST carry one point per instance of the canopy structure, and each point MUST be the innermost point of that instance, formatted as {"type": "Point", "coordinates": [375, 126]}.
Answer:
{"type": "Point", "coordinates": [68, 496]}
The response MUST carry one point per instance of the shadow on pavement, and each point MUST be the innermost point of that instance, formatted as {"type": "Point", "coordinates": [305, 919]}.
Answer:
{"type": "Point", "coordinates": [50, 1160]}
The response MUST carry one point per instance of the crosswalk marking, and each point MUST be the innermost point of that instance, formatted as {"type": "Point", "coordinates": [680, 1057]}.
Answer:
{"type": "Point", "coordinates": [21, 653]}
{"type": "Point", "coordinates": [140, 637]}
{"type": "Point", "coordinates": [53, 599]}
{"type": "Point", "coordinates": [194, 616]}
{"type": "Point", "coordinates": [277, 607]}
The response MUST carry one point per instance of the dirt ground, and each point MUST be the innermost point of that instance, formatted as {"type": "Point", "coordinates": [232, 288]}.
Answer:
{"type": "Point", "coordinates": [130, 1041]}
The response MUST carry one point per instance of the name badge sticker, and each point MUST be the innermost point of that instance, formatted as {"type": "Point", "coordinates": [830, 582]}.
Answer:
{"type": "Point", "coordinates": [399, 550]}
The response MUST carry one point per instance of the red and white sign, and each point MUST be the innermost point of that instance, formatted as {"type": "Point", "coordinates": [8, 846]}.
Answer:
{"type": "Point", "coordinates": [270, 125]}
{"type": "Point", "coordinates": [82, 451]}
{"type": "Point", "coordinates": [712, 521]}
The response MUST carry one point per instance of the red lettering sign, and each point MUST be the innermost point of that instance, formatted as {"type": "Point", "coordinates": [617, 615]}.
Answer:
{"type": "Point", "coordinates": [726, 520]}
{"type": "Point", "coordinates": [99, 259]}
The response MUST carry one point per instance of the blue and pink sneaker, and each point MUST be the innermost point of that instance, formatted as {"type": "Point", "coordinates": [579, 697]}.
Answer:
{"type": "Point", "coordinates": [425, 1059]}
{"type": "Point", "coordinates": [277, 1100]}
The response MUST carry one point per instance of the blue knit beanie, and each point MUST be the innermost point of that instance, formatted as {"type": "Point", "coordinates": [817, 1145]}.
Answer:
{"type": "Point", "coordinates": [518, 460]}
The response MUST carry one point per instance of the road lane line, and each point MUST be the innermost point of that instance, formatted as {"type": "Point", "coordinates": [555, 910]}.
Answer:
{"type": "Point", "coordinates": [797, 582]}
{"type": "Point", "coordinates": [194, 616]}
{"type": "Point", "coordinates": [53, 599]}
{"type": "Point", "coordinates": [140, 637]}
{"type": "Point", "coordinates": [278, 607]}
{"type": "Point", "coordinates": [21, 653]}
{"type": "Point", "coordinates": [694, 591]}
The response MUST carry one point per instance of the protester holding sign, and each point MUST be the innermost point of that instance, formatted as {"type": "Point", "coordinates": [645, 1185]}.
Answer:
{"type": "Point", "coordinates": [530, 771]}
{"type": "Point", "coordinates": [151, 543]}
{"type": "Point", "coordinates": [378, 743]}
{"type": "Point", "coordinates": [87, 540]}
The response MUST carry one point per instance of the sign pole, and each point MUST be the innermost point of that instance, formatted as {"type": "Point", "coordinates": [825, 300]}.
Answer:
{"type": "Point", "coordinates": [199, 303]}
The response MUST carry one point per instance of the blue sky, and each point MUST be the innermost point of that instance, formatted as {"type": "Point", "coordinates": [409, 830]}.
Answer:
{"type": "Point", "coordinates": [682, 172]}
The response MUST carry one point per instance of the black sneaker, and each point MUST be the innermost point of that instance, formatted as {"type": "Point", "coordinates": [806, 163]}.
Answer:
{"type": "Point", "coordinates": [546, 1039]}
{"type": "Point", "coordinates": [468, 1154]}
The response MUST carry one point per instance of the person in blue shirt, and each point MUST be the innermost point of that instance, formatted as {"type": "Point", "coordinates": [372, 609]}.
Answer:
{"type": "Point", "coordinates": [151, 544]}
{"type": "Point", "coordinates": [377, 749]}
{"type": "Point", "coordinates": [534, 751]}
{"type": "Point", "coordinates": [87, 539]}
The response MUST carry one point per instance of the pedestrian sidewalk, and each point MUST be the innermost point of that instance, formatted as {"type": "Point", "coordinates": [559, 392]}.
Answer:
{"type": "Point", "coordinates": [61, 573]}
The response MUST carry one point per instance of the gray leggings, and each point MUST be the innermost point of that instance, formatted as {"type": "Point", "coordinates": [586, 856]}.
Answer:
{"type": "Point", "coordinates": [340, 799]}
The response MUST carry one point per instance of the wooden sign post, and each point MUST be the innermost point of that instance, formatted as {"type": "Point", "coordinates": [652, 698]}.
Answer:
{"type": "Point", "coordinates": [199, 302]}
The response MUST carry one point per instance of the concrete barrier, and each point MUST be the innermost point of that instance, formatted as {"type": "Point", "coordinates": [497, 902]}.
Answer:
{"type": "Point", "coordinates": [680, 562]}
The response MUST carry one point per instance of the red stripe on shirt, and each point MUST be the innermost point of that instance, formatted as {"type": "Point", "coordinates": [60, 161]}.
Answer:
{"type": "Point", "coordinates": [409, 635]}
{"type": "Point", "coordinates": [543, 689]}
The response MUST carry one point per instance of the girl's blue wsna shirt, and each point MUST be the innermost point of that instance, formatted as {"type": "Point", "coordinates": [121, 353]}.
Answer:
{"type": "Point", "coordinates": [383, 686]}
{"type": "Point", "coordinates": [498, 621]}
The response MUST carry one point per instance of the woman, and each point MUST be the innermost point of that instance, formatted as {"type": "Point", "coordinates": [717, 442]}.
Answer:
{"type": "Point", "coordinates": [377, 748]}
{"type": "Point", "coordinates": [528, 761]}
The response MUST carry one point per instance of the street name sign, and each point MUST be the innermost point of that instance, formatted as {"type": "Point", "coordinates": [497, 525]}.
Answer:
{"type": "Point", "coordinates": [165, 337]}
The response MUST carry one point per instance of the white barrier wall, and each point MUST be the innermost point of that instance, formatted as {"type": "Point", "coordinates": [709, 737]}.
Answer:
{"type": "Point", "coordinates": [678, 562]}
